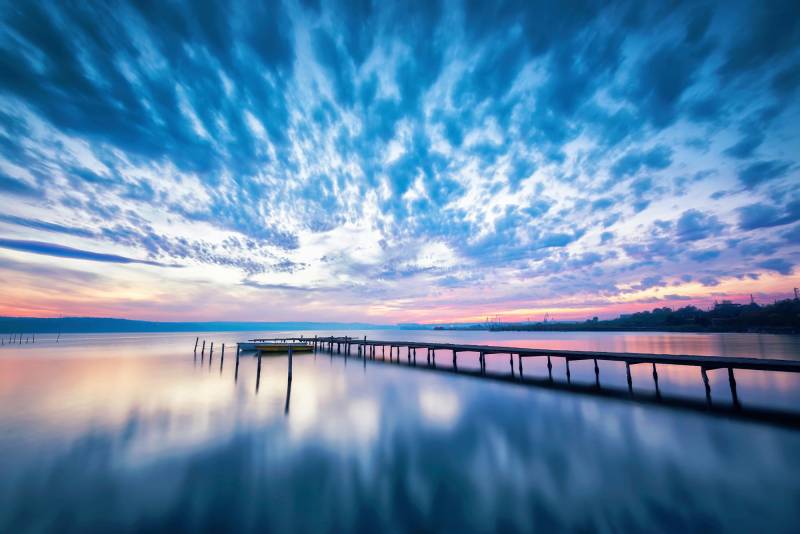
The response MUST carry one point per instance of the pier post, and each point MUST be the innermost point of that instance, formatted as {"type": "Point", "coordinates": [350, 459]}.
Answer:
{"type": "Point", "coordinates": [408, 354]}
{"type": "Point", "coordinates": [455, 362]}
{"type": "Point", "coordinates": [258, 372]}
{"type": "Point", "coordinates": [196, 340]}
{"type": "Point", "coordinates": [210, 354]}
{"type": "Point", "coordinates": [655, 380]}
{"type": "Point", "coordinates": [596, 374]}
{"type": "Point", "coordinates": [511, 362]}
{"type": "Point", "coordinates": [222, 358]}
{"type": "Point", "coordinates": [203, 351]}
{"type": "Point", "coordinates": [290, 364]}
{"type": "Point", "coordinates": [549, 368]}
{"type": "Point", "coordinates": [630, 378]}
{"type": "Point", "coordinates": [433, 351]}
{"type": "Point", "coordinates": [415, 355]}
{"type": "Point", "coordinates": [236, 373]}
{"type": "Point", "coordinates": [519, 361]}
{"type": "Point", "coordinates": [566, 361]}
{"type": "Point", "coordinates": [429, 355]}
{"type": "Point", "coordinates": [732, 382]}
{"type": "Point", "coordinates": [706, 384]}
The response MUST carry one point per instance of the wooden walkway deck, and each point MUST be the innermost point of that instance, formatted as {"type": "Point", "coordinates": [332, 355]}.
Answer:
{"type": "Point", "coordinates": [368, 348]}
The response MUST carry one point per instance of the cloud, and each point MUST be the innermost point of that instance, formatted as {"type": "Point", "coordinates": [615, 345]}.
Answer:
{"type": "Point", "coordinates": [703, 256]}
{"type": "Point", "coordinates": [657, 158]}
{"type": "Point", "coordinates": [694, 225]}
{"type": "Point", "coordinates": [754, 216]}
{"type": "Point", "coordinates": [60, 251]}
{"type": "Point", "coordinates": [779, 265]}
{"type": "Point", "coordinates": [763, 171]}
{"type": "Point", "coordinates": [47, 226]}
{"type": "Point", "coordinates": [16, 187]}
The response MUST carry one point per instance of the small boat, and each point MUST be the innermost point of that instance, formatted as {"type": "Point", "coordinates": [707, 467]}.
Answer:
{"type": "Point", "coordinates": [275, 346]}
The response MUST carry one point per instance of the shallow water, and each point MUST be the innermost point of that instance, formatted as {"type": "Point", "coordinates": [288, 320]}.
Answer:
{"type": "Point", "coordinates": [130, 432]}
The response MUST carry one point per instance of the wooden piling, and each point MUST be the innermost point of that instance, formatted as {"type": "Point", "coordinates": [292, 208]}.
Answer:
{"type": "Point", "coordinates": [236, 372]}
{"type": "Point", "coordinates": [596, 374]}
{"type": "Point", "coordinates": [196, 340]}
{"type": "Point", "coordinates": [258, 372]}
{"type": "Point", "coordinates": [222, 358]}
{"type": "Point", "coordinates": [630, 378]}
{"type": "Point", "coordinates": [732, 382]}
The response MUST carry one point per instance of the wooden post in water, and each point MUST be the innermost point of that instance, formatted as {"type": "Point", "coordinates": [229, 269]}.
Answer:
{"type": "Point", "coordinates": [706, 384]}
{"type": "Point", "coordinates": [210, 354]}
{"type": "Point", "coordinates": [222, 358]}
{"type": "Point", "coordinates": [596, 374]}
{"type": "Point", "coordinates": [549, 368]}
{"type": "Point", "coordinates": [290, 363]}
{"type": "Point", "coordinates": [455, 364]}
{"type": "Point", "coordinates": [236, 373]}
{"type": "Point", "coordinates": [258, 372]}
{"type": "Point", "coordinates": [519, 359]}
{"type": "Point", "coordinates": [196, 340]}
{"type": "Point", "coordinates": [511, 362]}
{"type": "Point", "coordinates": [655, 380]}
{"type": "Point", "coordinates": [203, 350]}
{"type": "Point", "coordinates": [630, 378]}
{"type": "Point", "coordinates": [566, 360]}
{"type": "Point", "coordinates": [732, 382]}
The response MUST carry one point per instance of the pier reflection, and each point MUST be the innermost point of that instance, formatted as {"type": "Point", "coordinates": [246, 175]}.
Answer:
{"type": "Point", "coordinates": [733, 409]}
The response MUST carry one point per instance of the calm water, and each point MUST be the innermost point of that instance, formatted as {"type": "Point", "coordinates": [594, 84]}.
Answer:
{"type": "Point", "coordinates": [129, 433]}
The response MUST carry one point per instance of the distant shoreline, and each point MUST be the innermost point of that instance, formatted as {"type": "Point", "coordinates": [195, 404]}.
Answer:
{"type": "Point", "coordinates": [100, 325]}
{"type": "Point", "coordinates": [583, 328]}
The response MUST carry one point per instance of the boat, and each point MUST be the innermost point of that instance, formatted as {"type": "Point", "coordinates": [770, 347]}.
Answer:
{"type": "Point", "coordinates": [276, 346]}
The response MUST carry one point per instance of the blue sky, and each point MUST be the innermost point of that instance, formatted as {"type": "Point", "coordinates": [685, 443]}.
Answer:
{"type": "Point", "coordinates": [396, 161]}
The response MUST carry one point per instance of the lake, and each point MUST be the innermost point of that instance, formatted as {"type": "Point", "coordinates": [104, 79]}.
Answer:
{"type": "Point", "coordinates": [132, 432]}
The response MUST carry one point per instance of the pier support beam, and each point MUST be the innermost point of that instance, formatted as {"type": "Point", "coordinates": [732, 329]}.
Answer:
{"type": "Point", "coordinates": [630, 378]}
{"type": "Point", "coordinates": [236, 373]}
{"type": "Point", "coordinates": [706, 384]}
{"type": "Point", "coordinates": [732, 382]}
{"type": "Point", "coordinates": [258, 372]}
{"type": "Point", "coordinates": [655, 381]}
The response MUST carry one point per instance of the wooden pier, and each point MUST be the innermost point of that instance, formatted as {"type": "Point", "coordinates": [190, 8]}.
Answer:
{"type": "Point", "coordinates": [368, 349]}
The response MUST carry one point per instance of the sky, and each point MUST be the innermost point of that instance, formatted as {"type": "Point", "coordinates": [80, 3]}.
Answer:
{"type": "Point", "coordinates": [396, 161]}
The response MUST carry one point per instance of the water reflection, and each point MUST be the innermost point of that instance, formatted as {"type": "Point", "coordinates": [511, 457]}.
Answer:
{"type": "Point", "coordinates": [122, 440]}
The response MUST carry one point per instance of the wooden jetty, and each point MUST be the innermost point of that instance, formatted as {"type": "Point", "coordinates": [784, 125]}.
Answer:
{"type": "Point", "coordinates": [368, 349]}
